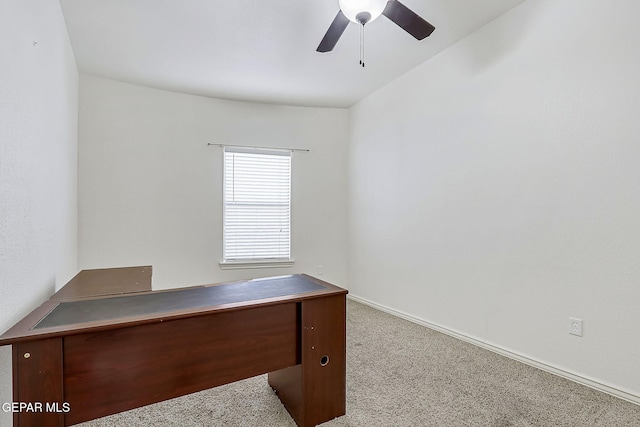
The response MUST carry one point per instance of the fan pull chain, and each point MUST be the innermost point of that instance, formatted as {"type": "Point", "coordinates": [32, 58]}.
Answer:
{"type": "Point", "coordinates": [362, 45]}
{"type": "Point", "coordinates": [361, 27]}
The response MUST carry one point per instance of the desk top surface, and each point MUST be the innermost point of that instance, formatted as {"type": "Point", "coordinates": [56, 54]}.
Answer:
{"type": "Point", "coordinates": [149, 303]}
{"type": "Point", "coordinates": [105, 282]}
{"type": "Point", "coordinates": [113, 298]}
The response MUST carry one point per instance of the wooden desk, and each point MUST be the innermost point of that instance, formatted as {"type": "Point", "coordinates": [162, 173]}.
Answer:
{"type": "Point", "coordinates": [105, 343]}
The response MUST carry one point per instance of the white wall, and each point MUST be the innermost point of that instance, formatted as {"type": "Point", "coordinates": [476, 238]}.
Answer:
{"type": "Point", "coordinates": [150, 188]}
{"type": "Point", "coordinates": [495, 190]}
{"type": "Point", "coordinates": [38, 163]}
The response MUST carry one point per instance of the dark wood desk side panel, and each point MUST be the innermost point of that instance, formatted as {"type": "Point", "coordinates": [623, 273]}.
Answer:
{"type": "Point", "coordinates": [313, 393]}
{"type": "Point", "coordinates": [324, 334]}
{"type": "Point", "coordinates": [113, 371]}
{"type": "Point", "coordinates": [37, 379]}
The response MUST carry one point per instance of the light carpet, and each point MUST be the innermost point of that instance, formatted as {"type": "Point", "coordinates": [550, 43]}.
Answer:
{"type": "Point", "coordinates": [403, 374]}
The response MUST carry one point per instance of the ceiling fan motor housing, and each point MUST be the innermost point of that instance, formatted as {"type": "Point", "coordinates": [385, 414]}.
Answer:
{"type": "Point", "coordinates": [363, 17]}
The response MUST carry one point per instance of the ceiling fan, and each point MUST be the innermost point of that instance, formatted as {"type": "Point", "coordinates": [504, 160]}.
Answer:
{"type": "Point", "coordinates": [364, 11]}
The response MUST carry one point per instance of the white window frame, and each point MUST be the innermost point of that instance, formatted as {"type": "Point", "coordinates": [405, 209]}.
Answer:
{"type": "Point", "coordinates": [235, 259]}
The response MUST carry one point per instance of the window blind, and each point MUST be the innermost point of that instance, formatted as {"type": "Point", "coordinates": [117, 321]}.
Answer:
{"type": "Point", "coordinates": [257, 204]}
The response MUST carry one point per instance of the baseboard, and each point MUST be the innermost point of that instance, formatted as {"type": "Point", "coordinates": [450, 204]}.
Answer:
{"type": "Point", "coordinates": [596, 385]}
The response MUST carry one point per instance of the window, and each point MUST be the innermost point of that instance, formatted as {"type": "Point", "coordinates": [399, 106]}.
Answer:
{"type": "Point", "coordinates": [257, 207]}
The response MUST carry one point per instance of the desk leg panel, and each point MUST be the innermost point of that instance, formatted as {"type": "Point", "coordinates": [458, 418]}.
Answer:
{"type": "Point", "coordinates": [37, 381]}
{"type": "Point", "coordinates": [315, 391]}
{"type": "Point", "coordinates": [287, 383]}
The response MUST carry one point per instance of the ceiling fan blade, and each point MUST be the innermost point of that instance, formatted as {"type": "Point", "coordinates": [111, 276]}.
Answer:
{"type": "Point", "coordinates": [334, 32]}
{"type": "Point", "coordinates": [407, 19]}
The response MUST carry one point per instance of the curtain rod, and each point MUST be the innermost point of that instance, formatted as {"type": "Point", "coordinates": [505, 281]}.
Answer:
{"type": "Point", "coordinates": [304, 150]}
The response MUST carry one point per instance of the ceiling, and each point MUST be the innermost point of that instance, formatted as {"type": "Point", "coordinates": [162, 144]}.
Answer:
{"type": "Point", "coordinates": [258, 50]}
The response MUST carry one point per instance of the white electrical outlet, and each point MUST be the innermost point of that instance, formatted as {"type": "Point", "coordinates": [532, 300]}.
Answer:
{"type": "Point", "coordinates": [320, 270]}
{"type": "Point", "coordinates": [575, 326]}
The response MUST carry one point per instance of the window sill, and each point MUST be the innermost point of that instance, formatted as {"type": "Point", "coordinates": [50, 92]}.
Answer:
{"type": "Point", "coordinates": [234, 265]}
